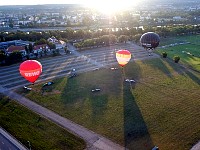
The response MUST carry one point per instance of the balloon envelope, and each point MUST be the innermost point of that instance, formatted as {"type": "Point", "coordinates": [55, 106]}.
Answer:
{"type": "Point", "coordinates": [123, 57]}
{"type": "Point", "coordinates": [30, 70]}
{"type": "Point", "coordinates": [150, 40]}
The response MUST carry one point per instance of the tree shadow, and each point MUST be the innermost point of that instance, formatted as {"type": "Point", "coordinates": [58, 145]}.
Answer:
{"type": "Point", "coordinates": [193, 76]}
{"type": "Point", "coordinates": [99, 106]}
{"type": "Point", "coordinates": [136, 135]}
{"type": "Point", "coordinates": [176, 66]}
{"type": "Point", "coordinates": [180, 69]}
{"type": "Point", "coordinates": [159, 65]}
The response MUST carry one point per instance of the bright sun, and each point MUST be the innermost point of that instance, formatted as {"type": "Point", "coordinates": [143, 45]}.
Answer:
{"type": "Point", "coordinates": [111, 6]}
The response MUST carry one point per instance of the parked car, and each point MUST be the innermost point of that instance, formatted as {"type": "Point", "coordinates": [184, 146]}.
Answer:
{"type": "Point", "coordinates": [96, 90]}
{"type": "Point", "coordinates": [27, 88]}
{"type": "Point", "coordinates": [47, 84]}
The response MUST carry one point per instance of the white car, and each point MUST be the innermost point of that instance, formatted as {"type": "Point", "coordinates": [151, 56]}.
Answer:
{"type": "Point", "coordinates": [96, 90]}
{"type": "Point", "coordinates": [131, 81]}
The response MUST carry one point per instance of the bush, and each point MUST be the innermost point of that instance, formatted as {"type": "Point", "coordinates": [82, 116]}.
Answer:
{"type": "Point", "coordinates": [164, 54]}
{"type": "Point", "coordinates": [176, 59]}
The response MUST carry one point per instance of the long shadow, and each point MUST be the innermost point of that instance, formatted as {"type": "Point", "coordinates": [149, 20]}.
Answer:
{"type": "Point", "coordinates": [193, 76]}
{"type": "Point", "coordinates": [72, 92]}
{"type": "Point", "coordinates": [176, 67]}
{"type": "Point", "coordinates": [159, 65]}
{"type": "Point", "coordinates": [136, 135]}
{"type": "Point", "coordinates": [99, 106]}
{"type": "Point", "coordinates": [183, 70]}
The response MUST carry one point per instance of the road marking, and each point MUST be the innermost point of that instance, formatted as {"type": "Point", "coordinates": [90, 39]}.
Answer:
{"type": "Point", "coordinates": [2, 142]}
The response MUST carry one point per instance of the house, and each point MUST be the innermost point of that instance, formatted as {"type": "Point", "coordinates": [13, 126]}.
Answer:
{"type": "Point", "coordinates": [13, 48]}
{"type": "Point", "coordinates": [59, 43]}
{"type": "Point", "coordinates": [52, 40]}
{"type": "Point", "coordinates": [41, 48]}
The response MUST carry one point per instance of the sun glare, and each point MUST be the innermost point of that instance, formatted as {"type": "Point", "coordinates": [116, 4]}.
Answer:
{"type": "Point", "coordinates": [111, 6]}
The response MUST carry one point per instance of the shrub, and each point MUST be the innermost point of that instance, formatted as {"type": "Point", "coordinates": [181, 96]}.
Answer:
{"type": "Point", "coordinates": [164, 54]}
{"type": "Point", "coordinates": [176, 59]}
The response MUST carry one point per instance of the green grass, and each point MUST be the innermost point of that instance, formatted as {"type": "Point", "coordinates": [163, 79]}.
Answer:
{"type": "Point", "coordinates": [27, 126]}
{"type": "Point", "coordinates": [193, 48]}
{"type": "Point", "coordinates": [161, 109]}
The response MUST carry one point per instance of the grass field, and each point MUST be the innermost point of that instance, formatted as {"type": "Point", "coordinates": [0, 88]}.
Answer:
{"type": "Point", "coordinates": [27, 126]}
{"type": "Point", "coordinates": [188, 52]}
{"type": "Point", "coordinates": [161, 108]}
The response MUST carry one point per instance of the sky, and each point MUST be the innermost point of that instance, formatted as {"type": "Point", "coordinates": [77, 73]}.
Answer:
{"type": "Point", "coordinates": [36, 2]}
{"type": "Point", "coordinates": [105, 6]}
{"type": "Point", "coordinates": [86, 2]}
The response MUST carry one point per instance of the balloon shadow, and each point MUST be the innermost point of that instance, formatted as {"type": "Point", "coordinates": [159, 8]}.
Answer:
{"type": "Point", "coordinates": [136, 135]}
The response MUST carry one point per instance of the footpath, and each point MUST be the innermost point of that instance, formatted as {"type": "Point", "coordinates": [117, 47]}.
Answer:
{"type": "Point", "coordinates": [94, 141]}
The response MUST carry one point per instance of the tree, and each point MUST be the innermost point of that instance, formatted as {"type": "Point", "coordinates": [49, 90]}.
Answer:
{"type": "Point", "coordinates": [51, 45]}
{"type": "Point", "coordinates": [123, 39]}
{"type": "Point", "coordinates": [2, 57]}
{"type": "Point", "coordinates": [14, 57]}
{"type": "Point", "coordinates": [30, 47]}
{"type": "Point", "coordinates": [41, 41]}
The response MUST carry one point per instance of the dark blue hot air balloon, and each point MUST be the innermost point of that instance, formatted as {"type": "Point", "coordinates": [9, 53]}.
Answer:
{"type": "Point", "coordinates": [150, 41]}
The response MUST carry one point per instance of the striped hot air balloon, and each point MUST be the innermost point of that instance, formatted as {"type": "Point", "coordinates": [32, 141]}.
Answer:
{"type": "Point", "coordinates": [123, 57]}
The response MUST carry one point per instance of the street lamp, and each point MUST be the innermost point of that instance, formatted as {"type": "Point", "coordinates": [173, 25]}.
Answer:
{"type": "Point", "coordinates": [29, 144]}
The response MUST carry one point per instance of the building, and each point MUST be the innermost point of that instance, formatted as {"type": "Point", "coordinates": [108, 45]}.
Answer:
{"type": "Point", "coordinates": [41, 48]}
{"type": "Point", "coordinates": [59, 43]}
{"type": "Point", "coordinates": [13, 48]}
{"type": "Point", "coordinates": [5, 45]}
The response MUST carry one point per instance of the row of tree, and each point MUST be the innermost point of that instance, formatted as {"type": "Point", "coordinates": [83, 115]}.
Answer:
{"type": "Point", "coordinates": [12, 58]}
{"type": "Point", "coordinates": [70, 34]}
{"type": "Point", "coordinates": [104, 40]}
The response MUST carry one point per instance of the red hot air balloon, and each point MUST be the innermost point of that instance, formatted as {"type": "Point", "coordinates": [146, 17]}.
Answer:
{"type": "Point", "coordinates": [123, 57]}
{"type": "Point", "coordinates": [30, 70]}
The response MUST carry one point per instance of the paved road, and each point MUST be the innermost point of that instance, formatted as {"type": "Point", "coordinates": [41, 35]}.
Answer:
{"type": "Point", "coordinates": [83, 61]}
{"type": "Point", "coordinates": [7, 142]}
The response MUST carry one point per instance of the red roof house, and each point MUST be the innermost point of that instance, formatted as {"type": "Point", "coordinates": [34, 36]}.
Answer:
{"type": "Point", "coordinates": [13, 48]}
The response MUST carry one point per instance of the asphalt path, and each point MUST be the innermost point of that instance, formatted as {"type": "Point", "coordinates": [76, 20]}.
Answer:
{"type": "Point", "coordinates": [8, 142]}
{"type": "Point", "coordinates": [5, 144]}
{"type": "Point", "coordinates": [82, 61]}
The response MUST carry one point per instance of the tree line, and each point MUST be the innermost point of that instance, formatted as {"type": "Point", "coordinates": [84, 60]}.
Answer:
{"type": "Point", "coordinates": [70, 34]}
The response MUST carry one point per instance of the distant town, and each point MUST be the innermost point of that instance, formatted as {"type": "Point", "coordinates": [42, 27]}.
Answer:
{"type": "Point", "coordinates": [58, 17]}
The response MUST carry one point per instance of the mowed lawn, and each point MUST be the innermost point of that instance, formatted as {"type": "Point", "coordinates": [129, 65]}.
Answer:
{"type": "Point", "coordinates": [25, 126]}
{"type": "Point", "coordinates": [161, 108]}
{"type": "Point", "coordinates": [188, 52]}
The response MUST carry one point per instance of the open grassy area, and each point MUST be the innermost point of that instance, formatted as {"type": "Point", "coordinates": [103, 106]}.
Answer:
{"type": "Point", "coordinates": [189, 53]}
{"type": "Point", "coordinates": [27, 126]}
{"type": "Point", "coordinates": [161, 108]}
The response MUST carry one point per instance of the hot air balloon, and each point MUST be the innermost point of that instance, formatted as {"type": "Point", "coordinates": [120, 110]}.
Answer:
{"type": "Point", "coordinates": [150, 41]}
{"type": "Point", "coordinates": [123, 57]}
{"type": "Point", "coordinates": [30, 70]}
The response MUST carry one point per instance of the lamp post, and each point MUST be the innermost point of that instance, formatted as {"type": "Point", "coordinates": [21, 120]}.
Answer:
{"type": "Point", "coordinates": [29, 144]}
